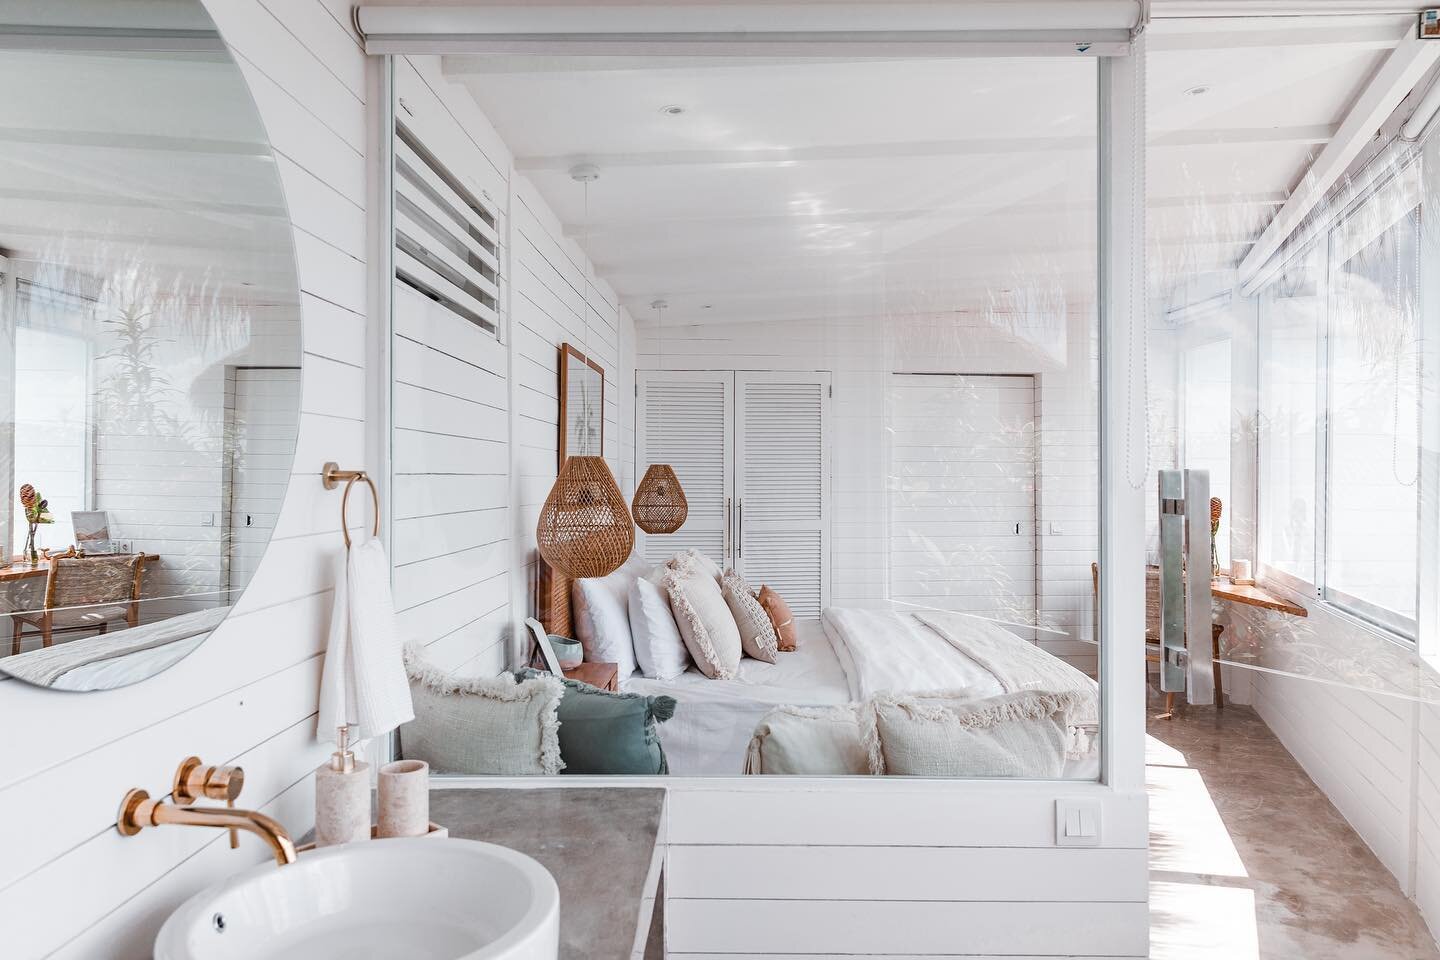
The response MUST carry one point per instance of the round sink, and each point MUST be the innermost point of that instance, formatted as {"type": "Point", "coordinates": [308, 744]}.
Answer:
{"type": "Point", "coordinates": [421, 899]}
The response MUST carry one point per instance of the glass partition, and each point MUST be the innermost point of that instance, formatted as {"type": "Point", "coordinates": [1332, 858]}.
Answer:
{"type": "Point", "coordinates": [852, 305]}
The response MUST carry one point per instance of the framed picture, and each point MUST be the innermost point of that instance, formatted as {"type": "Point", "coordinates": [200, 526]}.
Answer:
{"type": "Point", "coordinates": [92, 530]}
{"type": "Point", "coordinates": [542, 641]}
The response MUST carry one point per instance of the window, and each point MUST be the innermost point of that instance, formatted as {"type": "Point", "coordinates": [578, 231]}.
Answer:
{"type": "Point", "coordinates": [1206, 433]}
{"type": "Point", "coordinates": [1292, 317]}
{"type": "Point", "coordinates": [1339, 411]}
{"type": "Point", "coordinates": [1372, 489]}
{"type": "Point", "coordinates": [52, 449]}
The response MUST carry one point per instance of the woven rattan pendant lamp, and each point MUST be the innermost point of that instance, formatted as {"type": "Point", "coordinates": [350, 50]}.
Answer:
{"type": "Point", "coordinates": [585, 529]}
{"type": "Point", "coordinates": [660, 505]}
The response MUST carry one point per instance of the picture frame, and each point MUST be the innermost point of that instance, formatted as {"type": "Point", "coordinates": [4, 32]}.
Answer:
{"type": "Point", "coordinates": [542, 641]}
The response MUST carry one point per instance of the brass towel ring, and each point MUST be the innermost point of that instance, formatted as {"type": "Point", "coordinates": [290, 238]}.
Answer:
{"type": "Point", "coordinates": [331, 476]}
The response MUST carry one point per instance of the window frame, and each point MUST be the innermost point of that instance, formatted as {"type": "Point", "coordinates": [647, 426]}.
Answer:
{"type": "Point", "coordinates": [1388, 623]}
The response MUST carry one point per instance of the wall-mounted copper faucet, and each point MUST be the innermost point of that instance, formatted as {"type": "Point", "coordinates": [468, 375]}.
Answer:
{"type": "Point", "coordinates": [193, 780]}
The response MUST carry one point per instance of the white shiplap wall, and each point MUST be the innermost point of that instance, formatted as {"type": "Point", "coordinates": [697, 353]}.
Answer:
{"type": "Point", "coordinates": [862, 354]}
{"type": "Point", "coordinates": [70, 886]}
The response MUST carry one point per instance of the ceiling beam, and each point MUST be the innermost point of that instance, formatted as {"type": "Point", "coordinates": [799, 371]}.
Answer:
{"type": "Point", "coordinates": [1411, 59]}
{"type": "Point", "coordinates": [1179, 35]}
{"type": "Point", "coordinates": [957, 213]}
{"type": "Point", "coordinates": [992, 146]}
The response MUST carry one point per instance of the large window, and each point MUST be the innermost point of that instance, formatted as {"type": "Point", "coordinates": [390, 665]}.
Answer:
{"type": "Point", "coordinates": [1206, 433]}
{"type": "Point", "coordinates": [1339, 410]}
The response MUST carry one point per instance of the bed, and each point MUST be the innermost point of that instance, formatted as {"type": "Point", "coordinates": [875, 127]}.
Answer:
{"type": "Point", "coordinates": [846, 656]}
{"type": "Point", "coordinates": [115, 659]}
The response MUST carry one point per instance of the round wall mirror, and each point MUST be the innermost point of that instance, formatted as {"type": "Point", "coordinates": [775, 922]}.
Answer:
{"type": "Point", "coordinates": [150, 357]}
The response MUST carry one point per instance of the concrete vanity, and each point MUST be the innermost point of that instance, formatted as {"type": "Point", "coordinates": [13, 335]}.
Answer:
{"type": "Point", "coordinates": [604, 846]}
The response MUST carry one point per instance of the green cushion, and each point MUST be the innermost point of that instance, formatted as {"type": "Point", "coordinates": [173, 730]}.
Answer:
{"type": "Point", "coordinates": [609, 733]}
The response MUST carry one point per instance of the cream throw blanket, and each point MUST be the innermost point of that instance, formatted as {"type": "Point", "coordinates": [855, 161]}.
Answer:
{"type": "Point", "coordinates": [1021, 667]}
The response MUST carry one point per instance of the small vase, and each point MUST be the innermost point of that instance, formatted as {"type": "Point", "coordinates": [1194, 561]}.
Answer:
{"type": "Point", "coordinates": [1214, 560]}
{"type": "Point", "coordinates": [32, 556]}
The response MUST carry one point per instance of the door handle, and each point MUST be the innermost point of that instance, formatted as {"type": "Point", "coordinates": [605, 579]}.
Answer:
{"type": "Point", "coordinates": [725, 536]}
{"type": "Point", "coordinates": [740, 533]}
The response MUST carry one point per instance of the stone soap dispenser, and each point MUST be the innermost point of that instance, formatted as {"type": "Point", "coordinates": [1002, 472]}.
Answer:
{"type": "Point", "coordinates": [342, 797]}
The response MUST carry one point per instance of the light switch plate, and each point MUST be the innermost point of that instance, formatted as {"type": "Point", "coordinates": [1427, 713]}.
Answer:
{"type": "Point", "coordinates": [1077, 823]}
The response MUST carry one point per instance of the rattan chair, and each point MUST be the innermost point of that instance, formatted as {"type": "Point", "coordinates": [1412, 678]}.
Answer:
{"type": "Point", "coordinates": [1152, 632]}
{"type": "Point", "coordinates": [85, 593]}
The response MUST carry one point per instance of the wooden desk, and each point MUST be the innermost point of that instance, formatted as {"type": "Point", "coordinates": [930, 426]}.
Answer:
{"type": "Point", "coordinates": [603, 675]}
{"type": "Point", "coordinates": [23, 571]}
{"type": "Point", "coordinates": [1254, 596]}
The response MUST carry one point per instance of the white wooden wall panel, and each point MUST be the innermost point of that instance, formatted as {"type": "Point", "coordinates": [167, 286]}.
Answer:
{"type": "Point", "coordinates": [76, 889]}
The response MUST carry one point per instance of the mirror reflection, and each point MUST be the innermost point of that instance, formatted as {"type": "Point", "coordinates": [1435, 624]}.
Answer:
{"type": "Point", "coordinates": [149, 363]}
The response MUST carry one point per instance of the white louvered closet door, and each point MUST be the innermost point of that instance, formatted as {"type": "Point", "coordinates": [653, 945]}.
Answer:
{"type": "Point", "coordinates": [782, 480]}
{"type": "Point", "coordinates": [685, 421]}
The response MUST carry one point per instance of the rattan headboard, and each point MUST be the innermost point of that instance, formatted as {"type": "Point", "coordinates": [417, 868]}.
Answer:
{"type": "Point", "coordinates": [552, 600]}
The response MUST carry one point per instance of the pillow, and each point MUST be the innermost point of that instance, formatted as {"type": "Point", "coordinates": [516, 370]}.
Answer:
{"type": "Point", "coordinates": [695, 557]}
{"type": "Point", "coordinates": [814, 742]}
{"type": "Point", "coordinates": [779, 613]}
{"type": "Point", "coordinates": [610, 733]}
{"type": "Point", "coordinates": [757, 634]}
{"type": "Point", "coordinates": [705, 623]}
{"type": "Point", "coordinates": [949, 735]}
{"type": "Point", "coordinates": [602, 623]}
{"type": "Point", "coordinates": [482, 725]}
{"type": "Point", "coordinates": [659, 648]}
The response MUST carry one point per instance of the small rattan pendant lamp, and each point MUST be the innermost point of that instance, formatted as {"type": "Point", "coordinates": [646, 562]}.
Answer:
{"type": "Point", "coordinates": [585, 529]}
{"type": "Point", "coordinates": [660, 505]}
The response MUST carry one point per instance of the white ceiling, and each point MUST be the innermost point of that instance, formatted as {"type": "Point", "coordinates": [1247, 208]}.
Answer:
{"type": "Point", "coordinates": [157, 161]}
{"type": "Point", "coordinates": [812, 189]}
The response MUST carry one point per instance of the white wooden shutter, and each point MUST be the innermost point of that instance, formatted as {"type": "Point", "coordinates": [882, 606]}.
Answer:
{"type": "Point", "coordinates": [684, 419]}
{"type": "Point", "coordinates": [962, 494]}
{"type": "Point", "coordinates": [447, 241]}
{"type": "Point", "coordinates": [782, 480]}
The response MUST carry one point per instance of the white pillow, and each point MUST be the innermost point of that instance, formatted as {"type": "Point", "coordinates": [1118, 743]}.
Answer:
{"type": "Point", "coordinates": [659, 648]}
{"type": "Point", "coordinates": [601, 617]}
{"type": "Point", "coordinates": [812, 741]}
{"type": "Point", "coordinates": [698, 559]}
{"type": "Point", "coordinates": [1020, 735]}
{"type": "Point", "coordinates": [706, 624]}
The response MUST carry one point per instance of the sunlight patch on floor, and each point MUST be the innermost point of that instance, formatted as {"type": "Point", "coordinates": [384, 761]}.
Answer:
{"type": "Point", "coordinates": [1186, 832]}
{"type": "Point", "coordinates": [1196, 921]}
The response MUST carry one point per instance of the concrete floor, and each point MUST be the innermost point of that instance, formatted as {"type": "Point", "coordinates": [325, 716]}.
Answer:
{"type": "Point", "coordinates": [1249, 861]}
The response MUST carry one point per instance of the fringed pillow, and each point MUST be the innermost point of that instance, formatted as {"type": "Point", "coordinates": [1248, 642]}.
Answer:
{"type": "Point", "coordinates": [812, 741]}
{"type": "Point", "coordinates": [706, 624]}
{"type": "Point", "coordinates": [757, 634]}
{"type": "Point", "coordinates": [1020, 735]}
{"type": "Point", "coordinates": [482, 725]}
{"type": "Point", "coordinates": [779, 613]}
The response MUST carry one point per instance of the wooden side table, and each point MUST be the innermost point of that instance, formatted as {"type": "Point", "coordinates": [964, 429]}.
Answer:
{"type": "Point", "coordinates": [606, 676]}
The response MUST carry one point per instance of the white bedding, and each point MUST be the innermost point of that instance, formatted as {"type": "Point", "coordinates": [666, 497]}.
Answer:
{"type": "Point", "coordinates": [886, 652]}
{"type": "Point", "coordinates": [714, 719]}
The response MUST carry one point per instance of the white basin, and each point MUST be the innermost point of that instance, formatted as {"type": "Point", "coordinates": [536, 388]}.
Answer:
{"type": "Point", "coordinates": [421, 899]}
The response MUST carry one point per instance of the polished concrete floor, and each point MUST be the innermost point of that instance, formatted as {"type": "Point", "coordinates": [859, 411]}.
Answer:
{"type": "Point", "coordinates": [1249, 861]}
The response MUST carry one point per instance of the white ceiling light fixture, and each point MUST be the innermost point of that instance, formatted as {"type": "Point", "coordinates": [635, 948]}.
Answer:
{"type": "Point", "coordinates": [672, 110]}
{"type": "Point", "coordinates": [584, 173]}
{"type": "Point", "coordinates": [1199, 90]}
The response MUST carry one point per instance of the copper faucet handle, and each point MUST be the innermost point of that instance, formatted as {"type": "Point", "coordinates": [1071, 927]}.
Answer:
{"type": "Point", "coordinates": [195, 779]}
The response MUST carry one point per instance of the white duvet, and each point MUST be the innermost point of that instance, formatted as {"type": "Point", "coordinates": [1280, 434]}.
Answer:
{"type": "Point", "coordinates": [849, 655]}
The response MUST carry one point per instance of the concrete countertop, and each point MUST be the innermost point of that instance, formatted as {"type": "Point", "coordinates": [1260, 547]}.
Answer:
{"type": "Point", "coordinates": [603, 846]}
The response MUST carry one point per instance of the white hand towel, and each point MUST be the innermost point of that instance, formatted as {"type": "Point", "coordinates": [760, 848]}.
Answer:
{"type": "Point", "coordinates": [364, 683]}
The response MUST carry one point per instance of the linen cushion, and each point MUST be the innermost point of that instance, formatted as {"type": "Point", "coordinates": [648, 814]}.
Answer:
{"type": "Point", "coordinates": [601, 617]}
{"type": "Point", "coordinates": [482, 725]}
{"type": "Point", "coordinates": [705, 622]}
{"type": "Point", "coordinates": [948, 735]}
{"type": "Point", "coordinates": [757, 634]}
{"type": "Point", "coordinates": [779, 613]}
{"type": "Point", "coordinates": [697, 558]}
{"type": "Point", "coordinates": [814, 742]}
{"type": "Point", "coordinates": [659, 648]}
{"type": "Point", "coordinates": [610, 733]}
